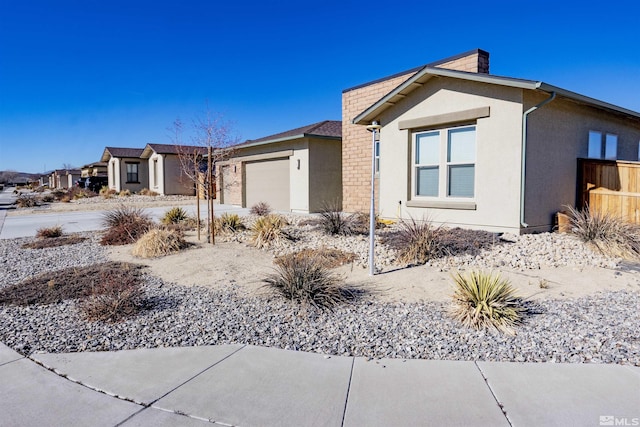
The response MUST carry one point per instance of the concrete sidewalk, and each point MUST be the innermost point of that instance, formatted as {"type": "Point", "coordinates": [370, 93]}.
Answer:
{"type": "Point", "coordinates": [254, 386]}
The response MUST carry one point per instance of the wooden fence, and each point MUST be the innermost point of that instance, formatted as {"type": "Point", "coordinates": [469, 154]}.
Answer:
{"type": "Point", "coordinates": [610, 186]}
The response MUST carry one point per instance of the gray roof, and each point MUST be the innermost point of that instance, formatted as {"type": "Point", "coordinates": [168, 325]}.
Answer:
{"type": "Point", "coordinates": [120, 152]}
{"type": "Point", "coordinates": [327, 129]}
{"type": "Point", "coordinates": [172, 149]}
{"type": "Point", "coordinates": [426, 73]}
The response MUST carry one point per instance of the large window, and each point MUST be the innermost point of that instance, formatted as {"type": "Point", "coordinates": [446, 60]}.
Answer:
{"type": "Point", "coordinates": [602, 146]}
{"type": "Point", "coordinates": [444, 163]}
{"type": "Point", "coordinates": [132, 172]}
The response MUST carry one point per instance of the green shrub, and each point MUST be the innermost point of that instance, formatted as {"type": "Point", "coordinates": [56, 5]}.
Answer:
{"type": "Point", "coordinates": [158, 242]}
{"type": "Point", "coordinates": [50, 232]}
{"type": "Point", "coordinates": [608, 233]}
{"type": "Point", "coordinates": [267, 230]}
{"type": "Point", "coordinates": [482, 300]}
{"type": "Point", "coordinates": [174, 216]}
{"type": "Point", "coordinates": [260, 209]}
{"type": "Point", "coordinates": [125, 225]}
{"type": "Point", "coordinates": [305, 280]}
{"type": "Point", "coordinates": [229, 223]}
{"type": "Point", "coordinates": [416, 242]}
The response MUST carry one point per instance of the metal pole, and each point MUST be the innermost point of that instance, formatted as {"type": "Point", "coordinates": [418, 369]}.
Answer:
{"type": "Point", "coordinates": [374, 127]}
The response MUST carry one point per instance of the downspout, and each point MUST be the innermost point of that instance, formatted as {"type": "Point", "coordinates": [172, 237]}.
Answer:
{"type": "Point", "coordinates": [523, 155]}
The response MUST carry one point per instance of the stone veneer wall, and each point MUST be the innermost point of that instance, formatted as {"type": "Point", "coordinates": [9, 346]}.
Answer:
{"type": "Point", "coordinates": [356, 140]}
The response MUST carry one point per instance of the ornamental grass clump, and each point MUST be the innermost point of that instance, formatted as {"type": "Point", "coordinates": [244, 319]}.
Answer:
{"type": "Point", "coordinates": [482, 301]}
{"type": "Point", "coordinates": [267, 231]}
{"type": "Point", "coordinates": [416, 242]}
{"type": "Point", "coordinates": [174, 215]}
{"type": "Point", "coordinates": [229, 223]}
{"type": "Point", "coordinates": [326, 257]}
{"type": "Point", "coordinates": [158, 242]}
{"type": "Point", "coordinates": [125, 225]}
{"type": "Point", "coordinates": [304, 280]}
{"type": "Point", "coordinates": [609, 234]}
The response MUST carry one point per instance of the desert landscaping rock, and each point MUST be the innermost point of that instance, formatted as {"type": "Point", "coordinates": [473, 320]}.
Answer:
{"type": "Point", "coordinates": [601, 328]}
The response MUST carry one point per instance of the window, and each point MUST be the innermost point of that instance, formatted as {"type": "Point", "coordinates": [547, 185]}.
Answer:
{"type": "Point", "coordinates": [132, 172]}
{"type": "Point", "coordinates": [444, 163]}
{"type": "Point", "coordinates": [599, 149]}
{"type": "Point", "coordinates": [377, 156]}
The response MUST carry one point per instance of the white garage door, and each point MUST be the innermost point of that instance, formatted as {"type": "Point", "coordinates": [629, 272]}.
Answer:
{"type": "Point", "coordinates": [268, 181]}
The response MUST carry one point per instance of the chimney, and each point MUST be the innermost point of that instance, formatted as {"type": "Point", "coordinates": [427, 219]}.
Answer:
{"type": "Point", "coordinates": [474, 61]}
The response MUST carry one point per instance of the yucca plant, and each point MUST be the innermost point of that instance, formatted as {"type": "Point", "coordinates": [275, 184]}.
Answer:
{"type": "Point", "coordinates": [610, 234]}
{"type": "Point", "coordinates": [482, 300]}
{"type": "Point", "coordinates": [125, 225]}
{"type": "Point", "coordinates": [267, 230]}
{"type": "Point", "coordinates": [229, 223]}
{"type": "Point", "coordinates": [174, 215]}
{"type": "Point", "coordinates": [306, 281]}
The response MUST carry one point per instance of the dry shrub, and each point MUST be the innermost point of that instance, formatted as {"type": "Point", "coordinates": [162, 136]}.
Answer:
{"type": "Point", "coordinates": [306, 281]}
{"type": "Point", "coordinates": [158, 242]}
{"type": "Point", "coordinates": [50, 232]}
{"type": "Point", "coordinates": [124, 193]}
{"type": "Point", "coordinates": [107, 192]}
{"type": "Point", "coordinates": [482, 300]}
{"type": "Point", "coordinates": [147, 192]}
{"type": "Point", "coordinates": [260, 209]}
{"type": "Point", "coordinates": [80, 193]}
{"type": "Point", "coordinates": [326, 257]}
{"type": "Point", "coordinates": [59, 193]}
{"type": "Point", "coordinates": [47, 198]}
{"type": "Point", "coordinates": [415, 241]}
{"type": "Point", "coordinates": [25, 201]}
{"type": "Point", "coordinates": [125, 225]}
{"type": "Point", "coordinates": [609, 234]}
{"type": "Point", "coordinates": [66, 284]}
{"type": "Point", "coordinates": [267, 231]}
{"type": "Point", "coordinates": [113, 299]}
{"type": "Point", "coordinates": [54, 242]}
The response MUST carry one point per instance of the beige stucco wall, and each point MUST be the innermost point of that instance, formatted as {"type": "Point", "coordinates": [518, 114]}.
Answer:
{"type": "Point", "coordinates": [314, 170]}
{"type": "Point", "coordinates": [497, 167]}
{"type": "Point", "coordinates": [170, 179]}
{"type": "Point", "coordinates": [325, 173]}
{"type": "Point", "coordinates": [121, 175]}
{"type": "Point", "coordinates": [558, 134]}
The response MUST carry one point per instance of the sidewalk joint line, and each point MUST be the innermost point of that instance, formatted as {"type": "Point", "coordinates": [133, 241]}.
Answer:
{"type": "Point", "coordinates": [486, 381]}
{"type": "Point", "coordinates": [346, 401]}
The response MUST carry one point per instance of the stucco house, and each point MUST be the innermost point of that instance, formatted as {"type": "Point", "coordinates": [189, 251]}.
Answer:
{"type": "Point", "coordinates": [62, 179]}
{"type": "Point", "coordinates": [165, 170]}
{"type": "Point", "coordinates": [125, 168]}
{"type": "Point", "coordinates": [94, 169]}
{"type": "Point", "coordinates": [466, 148]}
{"type": "Point", "coordinates": [298, 170]}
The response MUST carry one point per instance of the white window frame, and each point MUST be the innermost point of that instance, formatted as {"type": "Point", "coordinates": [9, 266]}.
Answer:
{"type": "Point", "coordinates": [377, 156]}
{"type": "Point", "coordinates": [443, 165]}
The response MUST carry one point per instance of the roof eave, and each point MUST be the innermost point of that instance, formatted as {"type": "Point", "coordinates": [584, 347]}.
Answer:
{"type": "Point", "coordinates": [285, 139]}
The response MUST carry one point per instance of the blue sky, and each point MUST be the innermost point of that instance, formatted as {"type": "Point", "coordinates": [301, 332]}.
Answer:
{"type": "Point", "coordinates": [76, 76]}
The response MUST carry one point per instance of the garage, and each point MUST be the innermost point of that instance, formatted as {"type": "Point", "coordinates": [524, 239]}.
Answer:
{"type": "Point", "coordinates": [268, 181]}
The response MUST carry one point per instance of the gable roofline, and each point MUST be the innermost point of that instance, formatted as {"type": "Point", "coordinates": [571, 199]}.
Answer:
{"type": "Point", "coordinates": [327, 129]}
{"type": "Point", "coordinates": [169, 149]}
{"type": "Point", "coordinates": [426, 73]}
{"type": "Point", "coordinates": [121, 152]}
{"type": "Point", "coordinates": [416, 69]}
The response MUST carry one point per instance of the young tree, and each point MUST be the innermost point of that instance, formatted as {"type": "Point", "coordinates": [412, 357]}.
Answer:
{"type": "Point", "coordinates": [213, 140]}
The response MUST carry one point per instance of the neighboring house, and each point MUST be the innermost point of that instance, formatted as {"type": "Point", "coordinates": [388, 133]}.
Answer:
{"type": "Point", "coordinates": [166, 175]}
{"type": "Point", "coordinates": [63, 178]}
{"type": "Point", "coordinates": [125, 169]}
{"type": "Point", "coordinates": [452, 138]}
{"type": "Point", "coordinates": [298, 170]}
{"type": "Point", "coordinates": [94, 169]}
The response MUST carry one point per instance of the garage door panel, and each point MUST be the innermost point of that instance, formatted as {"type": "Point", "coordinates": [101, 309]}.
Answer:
{"type": "Point", "coordinates": [268, 181]}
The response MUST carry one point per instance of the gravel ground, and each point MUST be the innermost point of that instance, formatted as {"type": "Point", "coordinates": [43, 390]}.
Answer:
{"type": "Point", "coordinates": [604, 328]}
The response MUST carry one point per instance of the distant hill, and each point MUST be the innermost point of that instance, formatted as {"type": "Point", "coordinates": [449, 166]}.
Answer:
{"type": "Point", "coordinates": [13, 177]}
